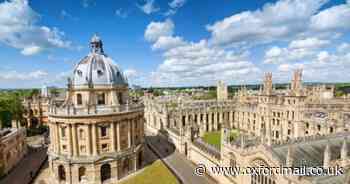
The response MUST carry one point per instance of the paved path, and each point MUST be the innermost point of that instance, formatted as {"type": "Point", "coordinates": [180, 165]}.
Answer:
{"type": "Point", "coordinates": [20, 174]}
{"type": "Point", "coordinates": [183, 168]}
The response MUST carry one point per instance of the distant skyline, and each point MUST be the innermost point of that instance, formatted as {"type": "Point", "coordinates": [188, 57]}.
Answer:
{"type": "Point", "coordinates": [176, 42]}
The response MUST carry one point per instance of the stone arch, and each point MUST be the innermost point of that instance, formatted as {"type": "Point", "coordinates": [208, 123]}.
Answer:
{"type": "Point", "coordinates": [81, 172]}
{"type": "Point", "coordinates": [260, 178]}
{"type": "Point", "coordinates": [61, 173]}
{"type": "Point", "coordinates": [105, 172]}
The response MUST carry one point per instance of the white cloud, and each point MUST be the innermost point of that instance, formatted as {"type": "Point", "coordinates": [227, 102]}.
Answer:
{"type": "Point", "coordinates": [167, 42]}
{"type": "Point", "coordinates": [308, 43]}
{"type": "Point", "coordinates": [120, 13]}
{"type": "Point", "coordinates": [332, 19]}
{"type": "Point", "coordinates": [18, 29]}
{"type": "Point", "coordinates": [174, 6]}
{"type": "Point", "coordinates": [31, 50]}
{"type": "Point", "coordinates": [177, 3]}
{"type": "Point", "coordinates": [298, 50]}
{"type": "Point", "coordinates": [276, 21]}
{"type": "Point", "coordinates": [195, 63]}
{"type": "Point", "coordinates": [131, 73]}
{"type": "Point", "coordinates": [15, 76]}
{"type": "Point", "coordinates": [156, 30]}
{"type": "Point", "coordinates": [149, 7]}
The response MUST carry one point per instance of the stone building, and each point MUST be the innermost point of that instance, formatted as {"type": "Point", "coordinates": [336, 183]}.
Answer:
{"type": "Point", "coordinates": [13, 148]}
{"type": "Point", "coordinates": [35, 110]}
{"type": "Point", "coordinates": [269, 116]}
{"type": "Point", "coordinates": [96, 135]}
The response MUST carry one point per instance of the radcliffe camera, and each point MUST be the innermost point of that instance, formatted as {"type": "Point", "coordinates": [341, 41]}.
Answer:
{"type": "Point", "coordinates": [175, 92]}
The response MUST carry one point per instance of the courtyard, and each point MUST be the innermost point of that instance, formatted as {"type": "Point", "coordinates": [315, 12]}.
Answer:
{"type": "Point", "coordinates": [214, 138]}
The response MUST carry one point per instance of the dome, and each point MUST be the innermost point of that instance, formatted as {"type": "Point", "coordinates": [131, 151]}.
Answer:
{"type": "Point", "coordinates": [97, 68]}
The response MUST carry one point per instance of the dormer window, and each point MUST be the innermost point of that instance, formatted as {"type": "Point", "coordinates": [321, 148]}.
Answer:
{"type": "Point", "coordinates": [80, 73]}
{"type": "Point", "coordinates": [99, 73]}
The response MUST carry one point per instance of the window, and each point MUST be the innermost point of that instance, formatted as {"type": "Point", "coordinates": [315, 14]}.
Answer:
{"type": "Point", "coordinates": [103, 131]}
{"type": "Point", "coordinates": [105, 147]}
{"type": "Point", "coordinates": [331, 130]}
{"type": "Point", "coordinates": [79, 99]}
{"type": "Point", "coordinates": [63, 132]}
{"type": "Point", "coordinates": [289, 131]}
{"type": "Point", "coordinates": [319, 127]}
{"type": "Point", "coordinates": [64, 147]}
{"type": "Point", "coordinates": [82, 171]}
{"type": "Point", "coordinates": [120, 98]}
{"type": "Point", "coordinates": [80, 73]}
{"type": "Point", "coordinates": [99, 73]}
{"type": "Point", "coordinates": [82, 149]}
{"type": "Point", "coordinates": [101, 99]}
{"type": "Point", "coordinates": [81, 134]}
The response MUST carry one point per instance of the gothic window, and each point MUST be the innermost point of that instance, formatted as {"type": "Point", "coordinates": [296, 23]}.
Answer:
{"type": "Point", "coordinates": [79, 99]}
{"type": "Point", "coordinates": [101, 99]}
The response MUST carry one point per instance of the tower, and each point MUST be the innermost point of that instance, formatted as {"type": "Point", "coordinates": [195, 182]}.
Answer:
{"type": "Point", "coordinates": [296, 83]}
{"type": "Point", "coordinates": [96, 135]}
{"type": "Point", "coordinates": [221, 91]}
{"type": "Point", "coordinates": [267, 84]}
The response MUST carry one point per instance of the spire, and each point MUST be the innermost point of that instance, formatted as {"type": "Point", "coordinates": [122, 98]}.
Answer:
{"type": "Point", "coordinates": [289, 159]}
{"type": "Point", "coordinates": [96, 44]}
{"type": "Point", "coordinates": [344, 152]}
{"type": "Point", "coordinates": [327, 156]}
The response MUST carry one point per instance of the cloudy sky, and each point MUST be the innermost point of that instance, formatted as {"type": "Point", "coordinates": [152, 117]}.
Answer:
{"type": "Point", "coordinates": [176, 42]}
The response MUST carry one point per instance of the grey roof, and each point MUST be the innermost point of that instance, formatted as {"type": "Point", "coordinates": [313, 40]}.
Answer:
{"type": "Point", "coordinates": [310, 153]}
{"type": "Point", "coordinates": [97, 69]}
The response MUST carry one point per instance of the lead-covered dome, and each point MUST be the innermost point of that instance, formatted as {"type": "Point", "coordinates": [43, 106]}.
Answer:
{"type": "Point", "coordinates": [97, 68]}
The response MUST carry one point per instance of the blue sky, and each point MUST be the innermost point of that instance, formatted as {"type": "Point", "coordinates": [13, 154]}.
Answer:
{"type": "Point", "coordinates": [176, 42]}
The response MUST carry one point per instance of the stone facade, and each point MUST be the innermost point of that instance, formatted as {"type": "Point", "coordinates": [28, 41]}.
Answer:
{"type": "Point", "coordinates": [96, 135]}
{"type": "Point", "coordinates": [13, 148]}
{"type": "Point", "coordinates": [268, 116]}
{"type": "Point", "coordinates": [221, 91]}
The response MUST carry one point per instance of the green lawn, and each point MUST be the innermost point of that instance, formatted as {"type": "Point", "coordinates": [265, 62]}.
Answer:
{"type": "Point", "coordinates": [214, 138]}
{"type": "Point", "coordinates": [157, 173]}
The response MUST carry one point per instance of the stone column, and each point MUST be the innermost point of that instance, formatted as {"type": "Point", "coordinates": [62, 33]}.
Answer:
{"type": "Point", "coordinates": [215, 121]}
{"type": "Point", "coordinates": [210, 122]}
{"type": "Point", "coordinates": [89, 149]}
{"type": "Point", "coordinates": [113, 137]}
{"type": "Point", "coordinates": [129, 133]}
{"type": "Point", "coordinates": [70, 140]}
{"type": "Point", "coordinates": [75, 141]}
{"type": "Point", "coordinates": [118, 136]}
{"type": "Point", "coordinates": [58, 145]}
{"type": "Point", "coordinates": [94, 140]}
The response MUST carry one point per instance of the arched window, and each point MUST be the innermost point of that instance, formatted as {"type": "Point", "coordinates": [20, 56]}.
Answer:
{"type": "Point", "coordinates": [79, 99]}
{"type": "Point", "coordinates": [331, 130]}
{"type": "Point", "coordinates": [105, 172]}
{"type": "Point", "coordinates": [61, 173]}
{"type": "Point", "coordinates": [101, 99]}
{"type": "Point", "coordinates": [82, 171]}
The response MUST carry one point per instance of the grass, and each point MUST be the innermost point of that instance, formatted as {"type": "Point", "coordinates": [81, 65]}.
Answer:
{"type": "Point", "coordinates": [214, 138]}
{"type": "Point", "coordinates": [157, 173]}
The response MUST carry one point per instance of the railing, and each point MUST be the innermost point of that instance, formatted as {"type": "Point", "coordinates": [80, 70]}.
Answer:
{"type": "Point", "coordinates": [94, 110]}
